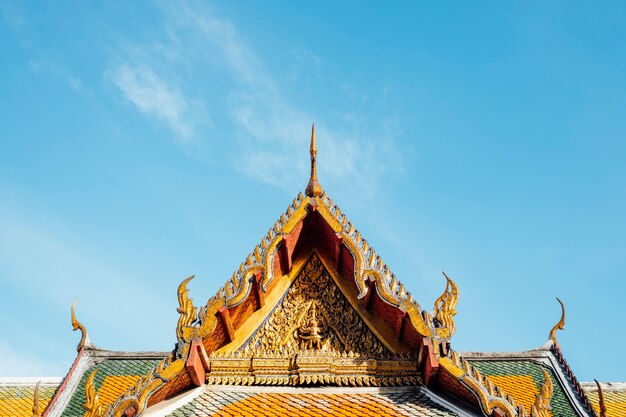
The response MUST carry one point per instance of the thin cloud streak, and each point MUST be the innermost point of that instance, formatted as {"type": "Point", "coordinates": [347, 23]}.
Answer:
{"type": "Point", "coordinates": [156, 97]}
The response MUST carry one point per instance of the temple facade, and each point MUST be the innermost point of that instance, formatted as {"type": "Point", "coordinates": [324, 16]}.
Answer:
{"type": "Point", "coordinates": [314, 323]}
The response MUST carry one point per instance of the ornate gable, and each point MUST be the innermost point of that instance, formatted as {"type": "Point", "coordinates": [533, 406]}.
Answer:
{"type": "Point", "coordinates": [314, 315]}
{"type": "Point", "coordinates": [313, 336]}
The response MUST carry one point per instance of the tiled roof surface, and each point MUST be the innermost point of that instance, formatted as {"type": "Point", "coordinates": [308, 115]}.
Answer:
{"type": "Point", "coordinates": [17, 400]}
{"type": "Point", "coordinates": [113, 378]}
{"type": "Point", "coordinates": [523, 380]}
{"type": "Point", "coordinates": [614, 399]}
{"type": "Point", "coordinates": [356, 402]}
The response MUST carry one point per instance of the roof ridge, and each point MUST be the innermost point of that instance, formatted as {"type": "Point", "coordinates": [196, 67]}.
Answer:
{"type": "Point", "coordinates": [556, 350]}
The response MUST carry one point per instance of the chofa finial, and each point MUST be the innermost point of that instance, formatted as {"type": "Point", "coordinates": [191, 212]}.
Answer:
{"type": "Point", "coordinates": [76, 325]}
{"type": "Point", "coordinates": [601, 403]}
{"type": "Point", "coordinates": [314, 189]}
{"type": "Point", "coordinates": [560, 325]}
{"type": "Point", "coordinates": [36, 406]}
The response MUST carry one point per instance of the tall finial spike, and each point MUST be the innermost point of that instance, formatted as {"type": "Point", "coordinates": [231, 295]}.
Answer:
{"type": "Point", "coordinates": [314, 189]}
{"type": "Point", "coordinates": [560, 325]}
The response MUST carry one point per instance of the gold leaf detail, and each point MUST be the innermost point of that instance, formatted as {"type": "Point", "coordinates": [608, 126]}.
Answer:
{"type": "Point", "coordinates": [338, 324]}
{"type": "Point", "coordinates": [445, 309]}
{"type": "Point", "coordinates": [188, 313]}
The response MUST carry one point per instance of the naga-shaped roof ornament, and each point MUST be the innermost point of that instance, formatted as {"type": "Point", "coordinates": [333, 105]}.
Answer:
{"type": "Point", "coordinates": [92, 405]}
{"type": "Point", "coordinates": [188, 313]}
{"type": "Point", "coordinates": [559, 326]}
{"type": "Point", "coordinates": [36, 406]}
{"type": "Point", "coordinates": [314, 189]}
{"type": "Point", "coordinates": [601, 403]}
{"type": "Point", "coordinates": [445, 309]}
{"type": "Point", "coordinates": [77, 325]}
{"type": "Point", "coordinates": [541, 408]}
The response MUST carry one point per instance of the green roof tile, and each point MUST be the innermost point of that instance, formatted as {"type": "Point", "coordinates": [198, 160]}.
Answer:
{"type": "Point", "coordinates": [108, 367]}
{"type": "Point", "coordinates": [561, 407]}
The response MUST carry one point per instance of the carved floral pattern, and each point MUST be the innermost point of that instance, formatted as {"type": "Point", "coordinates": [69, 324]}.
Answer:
{"type": "Point", "coordinates": [315, 315]}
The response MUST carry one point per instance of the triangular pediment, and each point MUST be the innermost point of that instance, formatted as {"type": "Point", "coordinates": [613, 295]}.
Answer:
{"type": "Point", "coordinates": [314, 315]}
{"type": "Point", "coordinates": [313, 335]}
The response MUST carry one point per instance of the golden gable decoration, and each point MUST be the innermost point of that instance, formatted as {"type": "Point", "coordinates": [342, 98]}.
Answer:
{"type": "Point", "coordinates": [314, 315]}
{"type": "Point", "coordinates": [313, 336]}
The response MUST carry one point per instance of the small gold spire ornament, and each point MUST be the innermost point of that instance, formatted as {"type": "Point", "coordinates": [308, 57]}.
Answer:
{"type": "Point", "coordinates": [601, 403]}
{"type": "Point", "coordinates": [541, 407]}
{"type": "Point", "coordinates": [76, 325]}
{"type": "Point", "coordinates": [92, 405]}
{"type": "Point", "coordinates": [560, 325]}
{"type": "Point", "coordinates": [314, 189]}
{"type": "Point", "coordinates": [36, 406]}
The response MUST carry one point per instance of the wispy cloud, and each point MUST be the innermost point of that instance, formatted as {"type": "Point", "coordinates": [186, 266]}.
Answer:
{"type": "Point", "coordinates": [156, 97]}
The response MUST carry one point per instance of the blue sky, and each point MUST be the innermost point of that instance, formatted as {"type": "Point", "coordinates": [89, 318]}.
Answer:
{"type": "Point", "coordinates": [141, 143]}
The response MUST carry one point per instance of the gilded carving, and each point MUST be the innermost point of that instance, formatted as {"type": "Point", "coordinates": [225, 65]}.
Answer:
{"type": "Point", "coordinates": [312, 331]}
{"type": "Point", "coordinates": [313, 336]}
{"type": "Point", "coordinates": [188, 313]}
{"type": "Point", "coordinates": [490, 396]}
{"type": "Point", "coordinates": [92, 405]}
{"type": "Point", "coordinates": [445, 309]}
{"type": "Point", "coordinates": [315, 315]}
{"type": "Point", "coordinates": [76, 325]}
{"type": "Point", "coordinates": [312, 367]}
{"type": "Point", "coordinates": [136, 397]}
{"type": "Point", "coordinates": [541, 407]}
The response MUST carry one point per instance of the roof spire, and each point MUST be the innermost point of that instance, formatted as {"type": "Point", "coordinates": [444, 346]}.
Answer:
{"type": "Point", "coordinates": [314, 189]}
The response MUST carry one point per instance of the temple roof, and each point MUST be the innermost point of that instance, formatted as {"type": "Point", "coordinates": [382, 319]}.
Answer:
{"type": "Point", "coordinates": [313, 322]}
{"type": "Point", "coordinates": [319, 402]}
{"type": "Point", "coordinates": [113, 374]}
{"type": "Point", "coordinates": [521, 375]}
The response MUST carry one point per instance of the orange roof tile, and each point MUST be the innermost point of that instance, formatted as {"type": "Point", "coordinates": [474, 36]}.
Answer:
{"type": "Point", "coordinates": [16, 400]}
{"type": "Point", "coordinates": [614, 399]}
{"type": "Point", "coordinates": [320, 402]}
